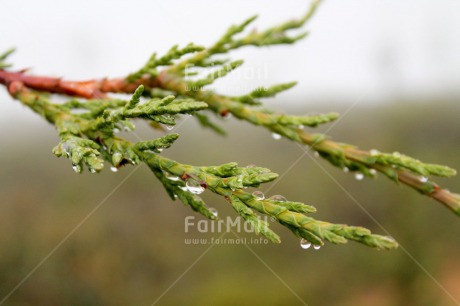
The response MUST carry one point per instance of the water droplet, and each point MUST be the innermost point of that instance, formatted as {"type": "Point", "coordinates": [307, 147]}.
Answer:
{"type": "Point", "coordinates": [76, 168]}
{"type": "Point", "coordinates": [301, 127]}
{"type": "Point", "coordinates": [273, 219]}
{"type": "Point", "coordinates": [374, 152]}
{"type": "Point", "coordinates": [169, 127]}
{"type": "Point", "coordinates": [183, 188]}
{"type": "Point", "coordinates": [171, 176]}
{"type": "Point", "coordinates": [396, 154]}
{"type": "Point", "coordinates": [115, 130]}
{"type": "Point", "coordinates": [251, 166]}
{"type": "Point", "coordinates": [317, 247]}
{"type": "Point", "coordinates": [276, 136]}
{"type": "Point", "coordinates": [66, 148]}
{"type": "Point", "coordinates": [127, 128]}
{"type": "Point", "coordinates": [373, 171]}
{"type": "Point", "coordinates": [194, 187]}
{"type": "Point", "coordinates": [92, 170]}
{"type": "Point", "coordinates": [160, 150]}
{"type": "Point", "coordinates": [278, 198]}
{"type": "Point", "coordinates": [259, 195]}
{"type": "Point", "coordinates": [359, 176]}
{"type": "Point", "coordinates": [345, 169]}
{"type": "Point", "coordinates": [316, 154]}
{"type": "Point", "coordinates": [305, 244]}
{"type": "Point", "coordinates": [175, 196]}
{"type": "Point", "coordinates": [214, 211]}
{"type": "Point", "coordinates": [423, 179]}
{"type": "Point", "coordinates": [114, 169]}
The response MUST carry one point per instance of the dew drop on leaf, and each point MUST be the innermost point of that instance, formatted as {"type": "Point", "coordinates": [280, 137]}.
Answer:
{"type": "Point", "coordinates": [259, 195]}
{"type": "Point", "coordinates": [76, 168]}
{"type": "Point", "coordinates": [278, 198]}
{"type": "Point", "coordinates": [171, 176]}
{"type": "Point", "coordinates": [305, 244]}
{"type": "Point", "coordinates": [276, 136]}
{"type": "Point", "coordinates": [214, 211]}
{"type": "Point", "coordinates": [194, 187]}
{"type": "Point", "coordinates": [374, 152]}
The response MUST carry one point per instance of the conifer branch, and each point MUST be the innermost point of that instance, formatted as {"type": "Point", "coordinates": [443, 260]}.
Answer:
{"type": "Point", "coordinates": [229, 180]}
{"type": "Point", "coordinates": [89, 139]}
{"type": "Point", "coordinates": [161, 91]}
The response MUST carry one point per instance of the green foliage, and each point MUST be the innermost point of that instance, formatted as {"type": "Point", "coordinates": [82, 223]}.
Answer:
{"type": "Point", "coordinates": [173, 54]}
{"type": "Point", "coordinates": [88, 137]}
{"type": "Point", "coordinates": [263, 92]}
{"type": "Point", "coordinates": [399, 160]}
{"type": "Point", "coordinates": [79, 151]}
{"type": "Point", "coordinates": [210, 78]}
{"type": "Point", "coordinates": [3, 57]}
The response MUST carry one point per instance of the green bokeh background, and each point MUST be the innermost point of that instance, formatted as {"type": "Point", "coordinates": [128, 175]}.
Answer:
{"type": "Point", "coordinates": [131, 250]}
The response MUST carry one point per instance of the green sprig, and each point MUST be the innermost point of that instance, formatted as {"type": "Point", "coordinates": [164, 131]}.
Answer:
{"type": "Point", "coordinates": [150, 68]}
{"type": "Point", "coordinates": [263, 92]}
{"type": "Point", "coordinates": [229, 180]}
{"type": "Point", "coordinates": [210, 78]}
{"type": "Point", "coordinates": [4, 56]}
{"type": "Point", "coordinates": [80, 151]}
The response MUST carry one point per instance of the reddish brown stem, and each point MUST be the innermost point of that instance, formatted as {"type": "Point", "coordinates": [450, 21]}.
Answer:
{"type": "Point", "coordinates": [91, 89]}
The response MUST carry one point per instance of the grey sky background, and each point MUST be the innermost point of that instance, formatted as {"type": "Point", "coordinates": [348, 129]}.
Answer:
{"type": "Point", "coordinates": [379, 48]}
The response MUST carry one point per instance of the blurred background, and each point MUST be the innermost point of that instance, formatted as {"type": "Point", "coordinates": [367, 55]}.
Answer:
{"type": "Point", "coordinates": [392, 67]}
